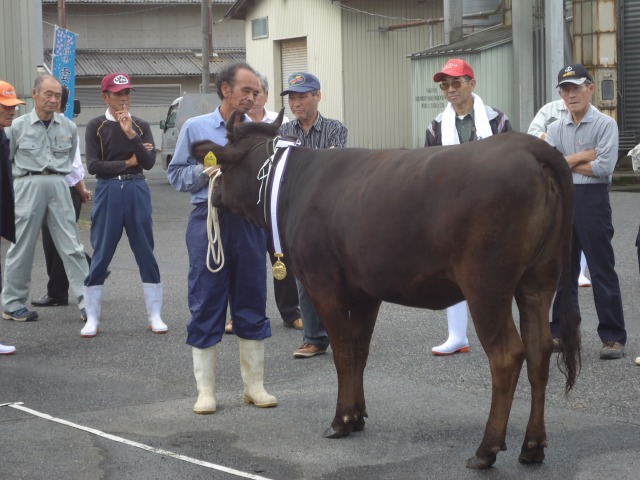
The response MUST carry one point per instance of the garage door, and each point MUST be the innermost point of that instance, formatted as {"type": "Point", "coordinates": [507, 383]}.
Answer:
{"type": "Point", "coordinates": [294, 59]}
{"type": "Point", "coordinates": [630, 68]}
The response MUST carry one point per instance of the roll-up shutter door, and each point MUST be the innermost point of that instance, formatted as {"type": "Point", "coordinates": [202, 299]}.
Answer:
{"type": "Point", "coordinates": [630, 66]}
{"type": "Point", "coordinates": [294, 59]}
{"type": "Point", "coordinates": [90, 96]}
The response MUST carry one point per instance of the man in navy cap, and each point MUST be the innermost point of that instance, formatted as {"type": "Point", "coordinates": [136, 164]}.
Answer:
{"type": "Point", "coordinates": [588, 139]}
{"type": "Point", "coordinates": [118, 148]}
{"type": "Point", "coordinates": [314, 131]}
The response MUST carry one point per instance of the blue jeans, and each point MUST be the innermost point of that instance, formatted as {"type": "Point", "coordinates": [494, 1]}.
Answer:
{"type": "Point", "coordinates": [314, 331]}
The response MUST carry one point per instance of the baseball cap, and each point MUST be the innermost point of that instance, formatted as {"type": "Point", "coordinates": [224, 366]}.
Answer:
{"type": "Point", "coordinates": [301, 82]}
{"type": "Point", "coordinates": [116, 82]}
{"type": "Point", "coordinates": [454, 68]}
{"type": "Point", "coordinates": [574, 73]}
{"type": "Point", "coordinates": [8, 96]}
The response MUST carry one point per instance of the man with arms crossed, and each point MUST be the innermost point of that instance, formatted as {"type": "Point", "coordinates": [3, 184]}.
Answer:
{"type": "Point", "coordinates": [588, 139]}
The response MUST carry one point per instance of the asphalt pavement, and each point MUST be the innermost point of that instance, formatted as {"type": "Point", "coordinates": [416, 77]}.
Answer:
{"type": "Point", "coordinates": [119, 406]}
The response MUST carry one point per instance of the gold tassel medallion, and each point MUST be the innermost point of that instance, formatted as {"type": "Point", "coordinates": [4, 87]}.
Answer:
{"type": "Point", "coordinates": [279, 268]}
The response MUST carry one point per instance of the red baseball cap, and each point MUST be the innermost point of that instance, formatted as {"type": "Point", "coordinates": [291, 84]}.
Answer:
{"type": "Point", "coordinates": [116, 82]}
{"type": "Point", "coordinates": [8, 96]}
{"type": "Point", "coordinates": [454, 68]}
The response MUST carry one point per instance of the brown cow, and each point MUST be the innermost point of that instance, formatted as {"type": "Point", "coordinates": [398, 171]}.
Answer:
{"type": "Point", "coordinates": [418, 228]}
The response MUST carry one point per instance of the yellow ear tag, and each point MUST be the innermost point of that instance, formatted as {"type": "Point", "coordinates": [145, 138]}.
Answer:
{"type": "Point", "coordinates": [210, 160]}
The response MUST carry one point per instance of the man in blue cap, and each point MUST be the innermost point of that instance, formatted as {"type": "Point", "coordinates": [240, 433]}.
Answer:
{"type": "Point", "coordinates": [314, 131]}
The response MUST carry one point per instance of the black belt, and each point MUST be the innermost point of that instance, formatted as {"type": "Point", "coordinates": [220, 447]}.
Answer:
{"type": "Point", "coordinates": [45, 172]}
{"type": "Point", "coordinates": [127, 176]}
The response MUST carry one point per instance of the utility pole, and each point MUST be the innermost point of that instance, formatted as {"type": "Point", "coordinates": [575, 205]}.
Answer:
{"type": "Point", "coordinates": [62, 14]}
{"type": "Point", "coordinates": [206, 51]}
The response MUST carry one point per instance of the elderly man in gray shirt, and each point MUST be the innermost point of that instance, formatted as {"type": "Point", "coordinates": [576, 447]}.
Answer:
{"type": "Point", "coordinates": [589, 141]}
{"type": "Point", "coordinates": [42, 145]}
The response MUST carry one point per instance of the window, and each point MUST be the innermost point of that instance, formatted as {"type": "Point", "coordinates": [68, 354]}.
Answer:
{"type": "Point", "coordinates": [260, 28]}
{"type": "Point", "coordinates": [607, 89]}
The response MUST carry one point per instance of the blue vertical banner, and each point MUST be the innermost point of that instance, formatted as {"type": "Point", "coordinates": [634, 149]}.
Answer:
{"type": "Point", "coordinates": [64, 63]}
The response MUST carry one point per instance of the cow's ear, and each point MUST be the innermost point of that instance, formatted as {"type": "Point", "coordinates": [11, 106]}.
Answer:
{"type": "Point", "coordinates": [200, 149]}
{"type": "Point", "coordinates": [278, 121]}
{"type": "Point", "coordinates": [231, 123]}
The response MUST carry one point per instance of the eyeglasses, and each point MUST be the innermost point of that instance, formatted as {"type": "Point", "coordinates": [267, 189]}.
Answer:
{"type": "Point", "coordinates": [567, 89]}
{"type": "Point", "coordinates": [456, 84]}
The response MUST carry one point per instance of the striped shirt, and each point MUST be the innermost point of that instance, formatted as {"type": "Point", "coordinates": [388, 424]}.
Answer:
{"type": "Point", "coordinates": [324, 133]}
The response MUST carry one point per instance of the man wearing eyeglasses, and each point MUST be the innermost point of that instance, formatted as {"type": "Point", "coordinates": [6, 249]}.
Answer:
{"type": "Point", "coordinates": [465, 119]}
{"type": "Point", "coordinates": [589, 141]}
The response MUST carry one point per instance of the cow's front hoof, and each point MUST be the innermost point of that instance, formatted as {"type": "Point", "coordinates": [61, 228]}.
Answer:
{"type": "Point", "coordinates": [331, 433]}
{"type": "Point", "coordinates": [479, 464]}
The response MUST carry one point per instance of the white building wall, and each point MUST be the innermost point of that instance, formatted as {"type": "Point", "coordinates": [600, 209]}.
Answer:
{"type": "Point", "coordinates": [318, 21]}
{"type": "Point", "coordinates": [364, 72]}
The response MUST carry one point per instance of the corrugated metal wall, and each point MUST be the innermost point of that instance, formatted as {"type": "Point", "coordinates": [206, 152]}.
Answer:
{"type": "Point", "coordinates": [494, 84]}
{"type": "Point", "coordinates": [21, 50]}
{"type": "Point", "coordinates": [377, 72]}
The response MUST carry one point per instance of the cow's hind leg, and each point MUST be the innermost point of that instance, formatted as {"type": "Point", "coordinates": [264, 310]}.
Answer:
{"type": "Point", "coordinates": [534, 327]}
{"type": "Point", "coordinates": [350, 336]}
{"type": "Point", "coordinates": [501, 342]}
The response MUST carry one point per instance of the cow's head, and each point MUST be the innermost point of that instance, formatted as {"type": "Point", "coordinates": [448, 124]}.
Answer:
{"type": "Point", "coordinates": [237, 187]}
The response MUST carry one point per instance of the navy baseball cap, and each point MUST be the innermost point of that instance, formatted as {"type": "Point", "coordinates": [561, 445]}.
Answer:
{"type": "Point", "coordinates": [301, 82]}
{"type": "Point", "coordinates": [574, 73]}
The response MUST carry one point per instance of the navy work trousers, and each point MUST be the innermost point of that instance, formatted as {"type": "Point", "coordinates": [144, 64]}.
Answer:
{"type": "Point", "coordinates": [241, 283]}
{"type": "Point", "coordinates": [592, 234]}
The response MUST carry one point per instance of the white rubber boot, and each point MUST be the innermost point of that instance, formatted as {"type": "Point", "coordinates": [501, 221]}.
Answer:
{"type": "Point", "coordinates": [92, 299]}
{"type": "Point", "coordinates": [153, 299]}
{"type": "Point", "coordinates": [583, 281]}
{"type": "Point", "coordinates": [252, 370]}
{"type": "Point", "coordinates": [7, 349]}
{"type": "Point", "coordinates": [204, 369]}
{"type": "Point", "coordinates": [457, 323]}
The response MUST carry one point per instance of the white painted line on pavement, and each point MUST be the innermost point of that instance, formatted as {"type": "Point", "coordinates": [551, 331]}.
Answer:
{"type": "Point", "coordinates": [237, 473]}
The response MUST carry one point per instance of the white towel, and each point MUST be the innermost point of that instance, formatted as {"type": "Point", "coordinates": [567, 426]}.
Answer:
{"type": "Point", "coordinates": [634, 153]}
{"type": "Point", "coordinates": [449, 130]}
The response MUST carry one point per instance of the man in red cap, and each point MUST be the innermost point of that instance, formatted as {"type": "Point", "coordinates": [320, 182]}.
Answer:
{"type": "Point", "coordinates": [118, 148]}
{"type": "Point", "coordinates": [8, 105]}
{"type": "Point", "coordinates": [465, 119]}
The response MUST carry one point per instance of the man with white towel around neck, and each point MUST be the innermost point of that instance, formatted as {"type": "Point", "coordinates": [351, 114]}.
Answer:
{"type": "Point", "coordinates": [465, 119]}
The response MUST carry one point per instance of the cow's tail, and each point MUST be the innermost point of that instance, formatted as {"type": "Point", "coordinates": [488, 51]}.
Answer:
{"type": "Point", "coordinates": [569, 360]}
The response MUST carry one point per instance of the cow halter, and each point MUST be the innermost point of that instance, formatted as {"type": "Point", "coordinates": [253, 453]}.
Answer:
{"type": "Point", "coordinates": [214, 246]}
{"type": "Point", "coordinates": [279, 268]}
{"type": "Point", "coordinates": [215, 251]}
